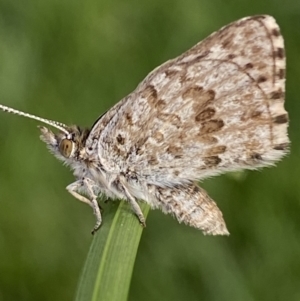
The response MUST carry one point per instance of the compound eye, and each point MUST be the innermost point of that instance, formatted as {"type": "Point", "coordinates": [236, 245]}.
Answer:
{"type": "Point", "coordinates": [66, 147]}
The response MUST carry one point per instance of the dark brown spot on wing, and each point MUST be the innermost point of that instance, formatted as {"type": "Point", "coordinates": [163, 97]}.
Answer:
{"type": "Point", "coordinates": [160, 104]}
{"type": "Point", "coordinates": [207, 139]}
{"type": "Point", "coordinates": [277, 94]}
{"type": "Point", "coordinates": [281, 146]}
{"type": "Point", "coordinates": [255, 114]}
{"type": "Point", "coordinates": [211, 126]}
{"type": "Point", "coordinates": [249, 66]}
{"type": "Point", "coordinates": [150, 94]}
{"type": "Point", "coordinates": [205, 114]}
{"type": "Point", "coordinates": [256, 156]}
{"type": "Point", "coordinates": [261, 79]}
{"type": "Point", "coordinates": [171, 72]}
{"type": "Point", "coordinates": [228, 41]}
{"type": "Point", "coordinates": [120, 139]}
{"type": "Point", "coordinates": [175, 151]}
{"type": "Point", "coordinates": [128, 117]}
{"type": "Point", "coordinates": [212, 161]}
{"type": "Point", "coordinates": [176, 173]}
{"type": "Point", "coordinates": [279, 53]}
{"type": "Point", "coordinates": [275, 32]}
{"type": "Point", "coordinates": [281, 73]}
{"type": "Point", "coordinates": [152, 160]}
{"type": "Point", "coordinates": [216, 150]}
{"type": "Point", "coordinates": [116, 149]}
{"type": "Point", "coordinates": [281, 119]}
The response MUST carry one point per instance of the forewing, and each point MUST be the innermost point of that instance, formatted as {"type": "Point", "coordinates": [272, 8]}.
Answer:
{"type": "Point", "coordinates": [217, 107]}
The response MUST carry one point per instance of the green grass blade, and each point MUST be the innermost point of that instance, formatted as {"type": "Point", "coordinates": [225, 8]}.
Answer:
{"type": "Point", "coordinates": [108, 268]}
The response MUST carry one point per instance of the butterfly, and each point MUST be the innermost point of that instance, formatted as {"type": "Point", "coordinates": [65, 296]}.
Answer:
{"type": "Point", "coordinates": [218, 107]}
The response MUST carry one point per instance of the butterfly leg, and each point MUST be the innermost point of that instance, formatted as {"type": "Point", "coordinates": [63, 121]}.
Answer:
{"type": "Point", "coordinates": [119, 183]}
{"type": "Point", "coordinates": [136, 209]}
{"type": "Point", "coordinates": [86, 185]}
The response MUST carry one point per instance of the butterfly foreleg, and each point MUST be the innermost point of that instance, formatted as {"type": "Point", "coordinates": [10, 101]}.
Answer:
{"type": "Point", "coordinates": [86, 186]}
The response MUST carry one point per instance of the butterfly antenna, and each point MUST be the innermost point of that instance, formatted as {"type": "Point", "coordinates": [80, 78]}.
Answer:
{"type": "Point", "coordinates": [55, 124]}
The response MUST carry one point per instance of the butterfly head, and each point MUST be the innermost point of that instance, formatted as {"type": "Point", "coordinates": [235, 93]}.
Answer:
{"type": "Point", "coordinates": [65, 145]}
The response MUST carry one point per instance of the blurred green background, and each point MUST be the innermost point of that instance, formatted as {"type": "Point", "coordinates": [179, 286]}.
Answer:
{"type": "Point", "coordinates": [72, 60]}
